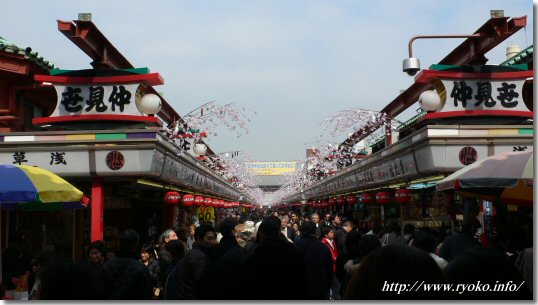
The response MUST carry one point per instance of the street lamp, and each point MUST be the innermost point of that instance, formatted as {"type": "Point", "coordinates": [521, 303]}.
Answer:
{"type": "Point", "coordinates": [411, 65]}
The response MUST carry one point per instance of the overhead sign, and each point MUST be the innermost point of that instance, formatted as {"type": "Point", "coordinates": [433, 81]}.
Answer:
{"type": "Point", "coordinates": [272, 168]}
{"type": "Point", "coordinates": [484, 94]}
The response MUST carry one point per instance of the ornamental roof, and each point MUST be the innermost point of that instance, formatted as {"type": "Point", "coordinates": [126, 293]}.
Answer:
{"type": "Point", "coordinates": [10, 47]}
{"type": "Point", "coordinates": [522, 57]}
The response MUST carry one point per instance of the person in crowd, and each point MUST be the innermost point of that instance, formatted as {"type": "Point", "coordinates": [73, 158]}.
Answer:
{"type": "Point", "coordinates": [265, 269]}
{"type": "Point", "coordinates": [328, 240]}
{"type": "Point", "coordinates": [295, 219]}
{"type": "Point", "coordinates": [247, 237]}
{"type": "Point", "coordinates": [164, 260]}
{"type": "Point", "coordinates": [392, 235]}
{"type": "Point", "coordinates": [425, 239]}
{"type": "Point", "coordinates": [16, 265]}
{"type": "Point", "coordinates": [376, 229]}
{"type": "Point", "coordinates": [487, 266]}
{"type": "Point", "coordinates": [315, 219]}
{"type": "Point", "coordinates": [285, 229]}
{"type": "Point", "coordinates": [327, 221]}
{"type": "Point", "coordinates": [196, 261]}
{"type": "Point", "coordinates": [358, 251]}
{"type": "Point", "coordinates": [175, 251]}
{"type": "Point", "coordinates": [455, 244]}
{"type": "Point", "coordinates": [350, 252]}
{"type": "Point", "coordinates": [147, 257]}
{"type": "Point", "coordinates": [296, 230]}
{"type": "Point", "coordinates": [125, 277]}
{"type": "Point", "coordinates": [337, 222]}
{"type": "Point", "coordinates": [341, 234]}
{"type": "Point", "coordinates": [63, 279]}
{"type": "Point", "coordinates": [408, 232]}
{"type": "Point", "coordinates": [96, 255]}
{"type": "Point", "coordinates": [524, 264]}
{"type": "Point", "coordinates": [39, 263]}
{"type": "Point", "coordinates": [395, 264]}
{"type": "Point", "coordinates": [228, 240]}
{"type": "Point", "coordinates": [317, 261]}
{"type": "Point", "coordinates": [190, 237]}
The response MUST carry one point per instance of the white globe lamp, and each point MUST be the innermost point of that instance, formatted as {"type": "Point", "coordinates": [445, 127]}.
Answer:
{"type": "Point", "coordinates": [200, 149]}
{"type": "Point", "coordinates": [150, 104]}
{"type": "Point", "coordinates": [429, 100]}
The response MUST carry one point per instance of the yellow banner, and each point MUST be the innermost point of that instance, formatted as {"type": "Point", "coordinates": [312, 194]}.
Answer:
{"type": "Point", "coordinates": [272, 168]}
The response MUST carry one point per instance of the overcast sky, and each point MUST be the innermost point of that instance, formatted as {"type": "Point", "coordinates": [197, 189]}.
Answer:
{"type": "Point", "coordinates": [294, 62]}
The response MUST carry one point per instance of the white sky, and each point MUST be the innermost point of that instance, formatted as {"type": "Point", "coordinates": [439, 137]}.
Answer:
{"type": "Point", "coordinates": [293, 62]}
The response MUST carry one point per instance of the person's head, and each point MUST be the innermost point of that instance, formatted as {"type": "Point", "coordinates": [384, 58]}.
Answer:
{"type": "Point", "coordinates": [235, 215]}
{"type": "Point", "coordinates": [284, 221]}
{"type": "Point", "coordinates": [192, 227]}
{"type": "Point", "coordinates": [327, 232]}
{"type": "Point", "coordinates": [376, 228]}
{"type": "Point", "coordinates": [425, 239]}
{"type": "Point", "coordinates": [128, 241]}
{"type": "Point", "coordinates": [308, 228]}
{"type": "Point", "coordinates": [295, 227]}
{"type": "Point", "coordinates": [403, 265]}
{"type": "Point", "coordinates": [294, 217]}
{"type": "Point", "coordinates": [146, 252]}
{"type": "Point", "coordinates": [227, 227]}
{"type": "Point", "coordinates": [471, 226]}
{"type": "Point", "coordinates": [314, 217]}
{"type": "Point", "coordinates": [393, 227]}
{"type": "Point", "coordinates": [489, 267]}
{"type": "Point", "coordinates": [97, 252]}
{"type": "Point", "coordinates": [348, 226]}
{"type": "Point", "coordinates": [367, 244]}
{"type": "Point", "coordinates": [409, 229]}
{"type": "Point", "coordinates": [337, 220]}
{"type": "Point", "coordinates": [275, 213]}
{"type": "Point", "coordinates": [40, 261]}
{"type": "Point", "coordinates": [328, 217]}
{"type": "Point", "coordinates": [269, 228]}
{"type": "Point", "coordinates": [167, 236]}
{"type": "Point", "coordinates": [175, 250]}
{"type": "Point", "coordinates": [205, 235]}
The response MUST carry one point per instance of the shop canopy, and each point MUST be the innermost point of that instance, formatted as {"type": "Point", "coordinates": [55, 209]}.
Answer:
{"type": "Point", "coordinates": [506, 176]}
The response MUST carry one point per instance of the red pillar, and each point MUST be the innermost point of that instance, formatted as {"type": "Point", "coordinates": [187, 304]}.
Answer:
{"type": "Point", "coordinates": [98, 203]}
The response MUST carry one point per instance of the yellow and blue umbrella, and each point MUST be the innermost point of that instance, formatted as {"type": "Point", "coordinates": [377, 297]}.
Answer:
{"type": "Point", "coordinates": [34, 188]}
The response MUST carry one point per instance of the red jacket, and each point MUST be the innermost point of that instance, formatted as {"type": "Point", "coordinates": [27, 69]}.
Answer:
{"type": "Point", "coordinates": [333, 248]}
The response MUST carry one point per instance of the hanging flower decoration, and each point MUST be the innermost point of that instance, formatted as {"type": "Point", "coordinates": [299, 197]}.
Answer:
{"type": "Point", "coordinates": [204, 120]}
{"type": "Point", "coordinates": [366, 122]}
{"type": "Point", "coordinates": [235, 170]}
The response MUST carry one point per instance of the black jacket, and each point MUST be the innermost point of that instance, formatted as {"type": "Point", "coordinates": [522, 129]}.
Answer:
{"type": "Point", "coordinates": [126, 278]}
{"type": "Point", "coordinates": [318, 262]}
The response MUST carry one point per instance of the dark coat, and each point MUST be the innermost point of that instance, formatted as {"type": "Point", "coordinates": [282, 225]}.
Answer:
{"type": "Point", "coordinates": [340, 239]}
{"type": "Point", "coordinates": [220, 280]}
{"type": "Point", "coordinates": [267, 272]}
{"type": "Point", "coordinates": [454, 245]}
{"type": "Point", "coordinates": [290, 233]}
{"type": "Point", "coordinates": [154, 269]}
{"type": "Point", "coordinates": [318, 262]}
{"type": "Point", "coordinates": [126, 278]}
{"type": "Point", "coordinates": [226, 243]}
{"type": "Point", "coordinates": [193, 266]}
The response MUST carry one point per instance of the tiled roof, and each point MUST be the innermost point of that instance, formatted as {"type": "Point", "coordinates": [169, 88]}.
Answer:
{"type": "Point", "coordinates": [522, 57]}
{"type": "Point", "coordinates": [10, 47]}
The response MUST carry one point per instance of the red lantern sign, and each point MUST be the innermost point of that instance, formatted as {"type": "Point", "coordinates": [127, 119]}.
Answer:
{"type": "Point", "coordinates": [382, 197]}
{"type": "Point", "coordinates": [366, 198]}
{"type": "Point", "coordinates": [198, 201]}
{"type": "Point", "coordinates": [172, 198]}
{"type": "Point", "coordinates": [351, 199]}
{"type": "Point", "coordinates": [188, 200]}
{"type": "Point", "coordinates": [340, 200]}
{"type": "Point", "coordinates": [402, 195]}
{"type": "Point", "coordinates": [330, 202]}
{"type": "Point", "coordinates": [208, 202]}
{"type": "Point", "coordinates": [215, 203]}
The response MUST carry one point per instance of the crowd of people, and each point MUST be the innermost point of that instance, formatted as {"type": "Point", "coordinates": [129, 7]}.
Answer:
{"type": "Point", "coordinates": [286, 257]}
